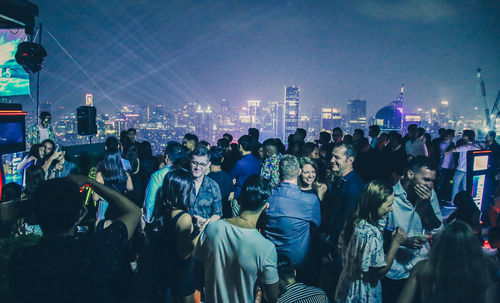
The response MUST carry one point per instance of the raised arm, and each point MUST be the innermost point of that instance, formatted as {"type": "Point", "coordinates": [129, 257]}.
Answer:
{"type": "Point", "coordinates": [397, 238]}
{"type": "Point", "coordinates": [410, 289]}
{"type": "Point", "coordinates": [98, 178]}
{"type": "Point", "coordinates": [125, 210]}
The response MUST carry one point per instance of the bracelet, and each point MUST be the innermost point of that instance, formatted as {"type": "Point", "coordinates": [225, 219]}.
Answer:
{"type": "Point", "coordinates": [86, 186]}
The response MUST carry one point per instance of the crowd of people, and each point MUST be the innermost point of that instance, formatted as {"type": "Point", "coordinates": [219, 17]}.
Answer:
{"type": "Point", "coordinates": [346, 218]}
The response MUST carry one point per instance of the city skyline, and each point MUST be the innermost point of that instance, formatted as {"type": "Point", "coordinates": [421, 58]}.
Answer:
{"type": "Point", "coordinates": [159, 126]}
{"type": "Point", "coordinates": [172, 53]}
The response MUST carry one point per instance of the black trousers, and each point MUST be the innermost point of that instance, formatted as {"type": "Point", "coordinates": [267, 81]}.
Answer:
{"type": "Point", "coordinates": [391, 289]}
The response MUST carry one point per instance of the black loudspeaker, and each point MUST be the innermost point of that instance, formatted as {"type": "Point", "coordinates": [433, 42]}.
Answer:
{"type": "Point", "coordinates": [30, 56]}
{"type": "Point", "coordinates": [86, 120]}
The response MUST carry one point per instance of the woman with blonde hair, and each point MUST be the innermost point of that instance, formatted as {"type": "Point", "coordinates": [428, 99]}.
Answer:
{"type": "Point", "coordinates": [361, 246]}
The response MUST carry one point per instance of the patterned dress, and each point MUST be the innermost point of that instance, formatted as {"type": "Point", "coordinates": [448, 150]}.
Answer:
{"type": "Point", "coordinates": [364, 250]}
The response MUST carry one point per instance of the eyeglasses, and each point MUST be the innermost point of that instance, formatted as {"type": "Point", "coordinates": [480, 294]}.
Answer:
{"type": "Point", "coordinates": [194, 163]}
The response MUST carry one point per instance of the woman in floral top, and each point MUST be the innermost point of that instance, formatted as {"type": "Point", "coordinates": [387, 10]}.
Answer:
{"type": "Point", "coordinates": [361, 246]}
{"type": "Point", "coordinates": [270, 168]}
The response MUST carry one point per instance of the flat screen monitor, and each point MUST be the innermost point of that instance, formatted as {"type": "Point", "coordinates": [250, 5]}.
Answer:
{"type": "Point", "coordinates": [12, 133]}
{"type": "Point", "coordinates": [14, 80]}
{"type": "Point", "coordinates": [480, 163]}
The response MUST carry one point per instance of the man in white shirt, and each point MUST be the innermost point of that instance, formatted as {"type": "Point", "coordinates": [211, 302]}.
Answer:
{"type": "Point", "coordinates": [236, 256]}
{"type": "Point", "coordinates": [415, 210]}
{"type": "Point", "coordinates": [40, 131]}
{"type": "Point", "coordinates": [460, 177]}
{"type": "Point", "coordinates": [416, 145]}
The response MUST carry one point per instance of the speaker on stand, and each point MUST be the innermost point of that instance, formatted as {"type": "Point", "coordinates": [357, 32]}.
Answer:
{"type": "Point", "coordinates": [86, 117]}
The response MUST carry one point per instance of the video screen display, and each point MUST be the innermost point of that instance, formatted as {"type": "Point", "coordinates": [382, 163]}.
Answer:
{"type": "Point", "coordinates": [11, 133]}
{"type": "Point", "coordinates": [10, 171]}
{"type": "Point", "coordinates": [480, 163]}
{"type": "Point", "coordinates": [14, 80]}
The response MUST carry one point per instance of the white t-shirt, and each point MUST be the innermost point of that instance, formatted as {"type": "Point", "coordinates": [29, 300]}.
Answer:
{"type": "Point", "coordinates": [44, 133]}
{"type": "Point", "coordinates": [416, 148]}
{"type": "Point", "coordinates": [235, 258]}
{"type": "Point", "coordinates": [462, 160]}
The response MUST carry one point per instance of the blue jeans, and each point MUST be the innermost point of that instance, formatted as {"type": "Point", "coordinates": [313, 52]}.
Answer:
{"type": "Point", "coordinates": [459, 183]}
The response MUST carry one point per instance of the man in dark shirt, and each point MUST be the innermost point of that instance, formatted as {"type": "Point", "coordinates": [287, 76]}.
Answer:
{"type": "Point", "coordinates": [248, 164]}
{"type": "Point", "coordinates": [346, 191]}
{"type": "Point", "coordinates": [64, 266]}
{"type": "Point", "coordinates": [223, 179]}
{"type": "Point", "coordinates": [342, 201]}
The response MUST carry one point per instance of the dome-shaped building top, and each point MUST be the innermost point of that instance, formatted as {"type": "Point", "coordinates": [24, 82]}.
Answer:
{"type": "Point", "coordinates": [389, 118]}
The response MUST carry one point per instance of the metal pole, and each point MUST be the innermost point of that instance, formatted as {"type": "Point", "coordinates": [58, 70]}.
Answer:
{"type": "Point", "coordinates": [38, 81]}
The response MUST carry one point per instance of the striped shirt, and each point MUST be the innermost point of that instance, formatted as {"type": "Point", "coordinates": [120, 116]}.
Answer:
{"type": "Point", "coordinates": [300, 293]}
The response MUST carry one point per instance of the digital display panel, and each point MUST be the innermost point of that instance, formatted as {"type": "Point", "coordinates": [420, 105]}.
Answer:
{"type": "Point", "coordinates": [480, 163]}
{"type": "Point", "coordinates": [11, 133]}
{"type": "Point", "coordinates": [478, 189]}
{"type": "Point", "coordinates": [14, 80]}
{"type": "Point", "coordinates": [10, 171]}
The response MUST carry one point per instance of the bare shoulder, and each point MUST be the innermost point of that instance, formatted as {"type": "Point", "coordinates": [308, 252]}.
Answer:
{"type": "Point", "coordinates": [185, 222]}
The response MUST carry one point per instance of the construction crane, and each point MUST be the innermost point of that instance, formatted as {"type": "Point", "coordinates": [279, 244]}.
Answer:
{"type": "Point", "coordinates": [495, 112]}
{"type": "Point", "coordinates": [483, 93]}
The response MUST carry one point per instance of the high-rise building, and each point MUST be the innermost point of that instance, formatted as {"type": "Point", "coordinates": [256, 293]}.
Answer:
{"type": "Point", "coordinates": [277, 116]}
{"type": "Point", "coordinates": [290, 111]}
{"type": "Point", "coordinates": [444, 115]}
{"type": "Point", "coordinates": [224, 107]}
{"type": "Point", "coordinates": [254, 112]}
{"type": "Point", "coordinates": [330, 118]}
{"type": "Point", "coordinates": [45, 106]}
{"type": "Point", "coordinates": [356, 114]}
{"type": "Point", "coordinates": [315, 125]}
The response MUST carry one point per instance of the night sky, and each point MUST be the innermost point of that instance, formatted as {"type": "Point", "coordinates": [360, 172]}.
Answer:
{"type": "Point", "coordinates": [171, 52]}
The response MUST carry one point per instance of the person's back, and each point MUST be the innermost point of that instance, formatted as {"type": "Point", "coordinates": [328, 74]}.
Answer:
{"type": "Point", "coordinates": [247, 166]}
{"type": "Point", "coordinates": [225, 182]}
{"type": "Point", "coordinates": [293, 292]}
{"type": "Point", "coordinates": [458, 270]}
{"type": "Point", "coordinates": [68, 268]}
{"type": "Point", "coordinates": [289, 218]}
{"type": "Point", "coordinates": [234, 257]}
{"type": "Point", "coordinates": [65, 266]}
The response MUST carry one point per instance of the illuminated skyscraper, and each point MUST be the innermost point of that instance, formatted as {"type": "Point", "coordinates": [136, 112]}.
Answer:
{"type": "Point", "coordinates": [276, 111]}
{"type": "Point", "coordinates": [444, 116]}
{"type": "Point", "coordinates": [224, 107]}
{"type": "Point", "coordinates": [356, 114]}
{"type": "Point", "coordinates": [330, 118]}
{"type": "Point", "coordinates": [290, 111]}
{"type": "Point", "coordinates": [254, 112]}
